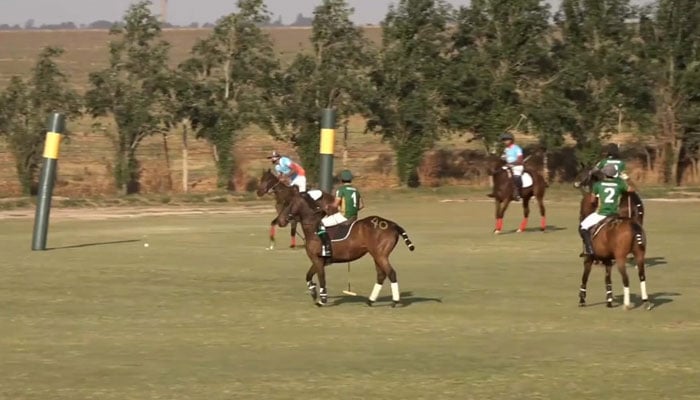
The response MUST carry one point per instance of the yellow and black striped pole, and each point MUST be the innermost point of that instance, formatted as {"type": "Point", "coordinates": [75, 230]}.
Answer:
{"type": "Point", "coordinates": [56, 125]}
{"type": "Point", "coordinates": [327, 148]}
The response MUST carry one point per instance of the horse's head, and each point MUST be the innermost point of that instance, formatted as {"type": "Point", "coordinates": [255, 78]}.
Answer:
{"type": "Point", "coordinates": [586, 177]}
{"type": "Point", "coordinates": [299, 207]}
{"type": "Point", "coordinates": [268, 181]}
{"type": "Point", "coordinates": [495, 164]}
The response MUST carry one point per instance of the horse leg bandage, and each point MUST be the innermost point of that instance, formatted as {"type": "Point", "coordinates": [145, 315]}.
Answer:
{"type": "Point", "coordinates": [375, 292]}
{"type": "Point", "coordinates": [643, 287]}
{"type": "Point", "coordinates": [395, 294]}
{"type": "Point", "coordinates": [626, 299]}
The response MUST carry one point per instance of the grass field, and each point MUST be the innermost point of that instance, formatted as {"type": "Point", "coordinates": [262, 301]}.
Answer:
{"type": "Point", "coordinates": [206, 312]}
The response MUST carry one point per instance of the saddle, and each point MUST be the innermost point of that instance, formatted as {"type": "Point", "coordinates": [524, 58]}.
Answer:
{"type": "Point", "coordinates": [526, 177]}
{"type": "Point", "coordinates": [340, 232]}
{"type": "Point", "coordinates": [597, 228]}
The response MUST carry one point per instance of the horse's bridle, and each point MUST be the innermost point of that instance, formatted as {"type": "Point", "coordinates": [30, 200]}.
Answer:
{"type": "Point", "coordinates": [273, 187]}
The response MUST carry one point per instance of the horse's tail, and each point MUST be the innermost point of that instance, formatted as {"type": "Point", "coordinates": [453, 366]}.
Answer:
{"type": "Point", "coordinates": [404, 235]}
{"type": "Point", "coordinates": [639, 205]}
{"type": "Point", "coordinates": [640, 237]}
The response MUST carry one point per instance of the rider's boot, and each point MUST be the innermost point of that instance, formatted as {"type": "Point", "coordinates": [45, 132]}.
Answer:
{"type": "Point", "coordinates": [518, 180]}
{"type": "Point", "coordinates": [587, 242]}
{"type": "Point", "coordinates": [325, 242]}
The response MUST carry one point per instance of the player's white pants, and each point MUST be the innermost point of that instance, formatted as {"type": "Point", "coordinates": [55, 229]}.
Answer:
{"type": "Point", "coordinates": [517, 169]}
{"type": "Point", "coordinates": [334, 219]}
{"type": "Point", "coordinates": [591, 220]}
{"type": "Point", "coordinates": [300, 182]}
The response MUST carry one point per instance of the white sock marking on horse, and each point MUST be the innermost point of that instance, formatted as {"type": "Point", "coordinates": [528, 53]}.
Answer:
{"type": "Point", "coordinates": [395, 294]}
{"type": "Point", "coordinates": [643, 286]}
{"type": "Point", "coordinates": [375, 292]}
{"type": "Point", "coordinates": [626, 291]}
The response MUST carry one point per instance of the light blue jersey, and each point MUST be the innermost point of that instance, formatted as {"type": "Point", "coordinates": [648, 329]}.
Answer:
{"type": "Point", "coordinates": [287, 167]}
{"type": "Point", "coordinates": [284, 166]}
{"type": "Point", "coordinates": [512, 152]}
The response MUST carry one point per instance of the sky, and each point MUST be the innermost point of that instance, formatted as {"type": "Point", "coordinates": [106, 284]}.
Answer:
{"type": "Point", "coordinates": [180, 12]}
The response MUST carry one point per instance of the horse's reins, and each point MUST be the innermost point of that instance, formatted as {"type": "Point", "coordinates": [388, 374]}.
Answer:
{"type": "Point", "coordinates": [273, 187]}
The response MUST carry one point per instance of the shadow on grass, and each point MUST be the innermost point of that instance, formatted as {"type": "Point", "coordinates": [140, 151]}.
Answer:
{"type": "Point", "coordinates": [407, 299]}
{"type": "Point", "coordinates": [76, 246]}
{"type": "Point", "coordinates": [649, 262]}
{"type": "Point", "coordinates": [656, 299]}
{"type": "Point", "coordinates": [548, 229]}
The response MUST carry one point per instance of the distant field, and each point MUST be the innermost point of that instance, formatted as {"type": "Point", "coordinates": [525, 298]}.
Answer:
{"type": "Point", "coordinates": [205, 312]}
{"type": "Point", "coordinates": [87, 51]}
{"type": "Point", "coordinates": [85, 164]}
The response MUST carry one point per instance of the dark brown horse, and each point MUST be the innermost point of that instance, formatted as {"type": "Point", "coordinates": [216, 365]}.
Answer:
{"type": "Point", "coordinates": [374, 235]}
{"type": "Point", "coordinates": [504, 188]}
{"type": "Point", "coordinates": [269, 183]}
{"type": "Point", "coordinates": [631, 204]}
{"type": "Point", "coordinates": [613, 239]}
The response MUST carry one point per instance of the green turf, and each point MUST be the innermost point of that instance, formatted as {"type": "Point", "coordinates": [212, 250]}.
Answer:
{"type": "Point", "coordinates": [206, 312]}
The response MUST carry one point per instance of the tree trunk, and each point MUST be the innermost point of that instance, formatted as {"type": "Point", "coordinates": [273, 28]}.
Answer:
{"type": "Point", "coordinates": [166, 150]}
{"type": "Point", "coordinates": [675, 170]}
{"type": "Point", "coordinates": [647, 155]}
{"type": "Point", "coordinates": [185, 171]}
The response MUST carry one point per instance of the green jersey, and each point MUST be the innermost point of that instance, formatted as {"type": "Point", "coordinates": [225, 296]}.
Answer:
{"type": "Point", "coordinates": [609, 192]}
{"type": "Point", "coordinates": [618, 164]}
{"type": "Point", "coordinates": [350, 200]}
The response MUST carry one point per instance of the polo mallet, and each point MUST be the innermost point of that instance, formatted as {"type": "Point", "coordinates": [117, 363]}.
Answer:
{"type": "Point", "coordinates": [349, 292]}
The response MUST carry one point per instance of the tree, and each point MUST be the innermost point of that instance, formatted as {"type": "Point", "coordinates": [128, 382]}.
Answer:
{"type": "Point", "coordinates": [333, 76]}
{"type": "Point", "coordinates": [222, 87]}
{"type": "Point", "coordinates": [671, 48]}
{"type": "Point", "coordinates": [133, 88]}
{"type": "Point", "coordinates": [24, 107]}
{"type": "Point", "coordinates": [598, 74]}
{"type": "Point", "coordinates": [498, 62]}
{"type": "Point", "coordinates": [406, 106]}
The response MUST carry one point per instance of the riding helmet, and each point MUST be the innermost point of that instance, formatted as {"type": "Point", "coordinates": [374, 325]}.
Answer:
{"type": "Point", "coordinates": [274, 156]}
{"type": "Point", "coordinates": [609, 170]}
{"type": "Point", "coordinates": [346, 175]}
{"type": "Point", "coordinates": [506, 136]}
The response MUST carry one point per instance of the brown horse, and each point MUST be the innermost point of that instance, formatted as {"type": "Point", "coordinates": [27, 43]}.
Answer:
{"type": "Point", "coordinates": [504, 188]}
{"type": "Point", "coordinates": [613, 239]}
{"type": "Point", "coordinates": [631, 205]}
{"type": "Point", "coordinates": [374, 235]}
{"type": "Point", "coordinates": [269, 183]}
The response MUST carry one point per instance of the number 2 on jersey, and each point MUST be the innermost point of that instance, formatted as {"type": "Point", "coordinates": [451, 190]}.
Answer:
{"type": "Point", "coordinates": [610, 198]}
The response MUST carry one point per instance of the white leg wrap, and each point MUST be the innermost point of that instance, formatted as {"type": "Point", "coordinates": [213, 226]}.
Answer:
{"type": "Point", "coordinates": [626, 292]}
{"type": "Point", "coordinates": [375, 292]}
{"type": "Point", "coordinates": [643, 286]}
{"type": "Point", "coordinates": [395, 294]}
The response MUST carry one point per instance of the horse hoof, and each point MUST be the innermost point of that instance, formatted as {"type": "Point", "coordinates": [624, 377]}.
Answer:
{"type": "Point", "coordinates": [647, 305]}
{"type": "Point", "coordinates": [291, 246]}
{"type": "Point", "coordinates": [369, 303]}
{"type": "Point", "coordinates": [582, 304]}
{"type": "Point", "coordinates": [609, 304]}
{"type": "Point", "coordinates": [394, 304]}
{"type": "Point", "coordinates": [627, 307]}
{"type": "Point", "coordinates": [496, 232]}
{"type": "Point", "coordinates": [520, 230]}
{"type": "Point", "coordinates": [319, 304]}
